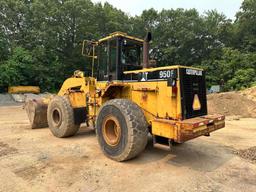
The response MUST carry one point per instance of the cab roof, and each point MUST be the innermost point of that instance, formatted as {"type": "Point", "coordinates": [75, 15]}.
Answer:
{"type": "Point", "coordinates": [119, 34]}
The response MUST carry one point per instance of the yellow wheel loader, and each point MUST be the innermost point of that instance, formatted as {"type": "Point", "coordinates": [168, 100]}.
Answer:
{"type": "Point", "coordinates": [125, 98]}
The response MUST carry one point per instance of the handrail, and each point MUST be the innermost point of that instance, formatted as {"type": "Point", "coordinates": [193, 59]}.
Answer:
{"type": "Point", "coordinates": [91, 45]}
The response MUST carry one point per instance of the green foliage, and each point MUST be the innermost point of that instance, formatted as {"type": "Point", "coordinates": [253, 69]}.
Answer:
{"type": "Point", "coordinates": [16, 70]}
{"type": "Point", "coordinates": [40, 40]}
{"type": "Point", "coordinates": [23, 68]}
{"type": "Point", "coordinates": [243, 78]}
{"type": "Point", "coordinates": [3, 46]}
{"type": "Point", "coordinates": [230, 69]}
{"type": "Point", "coordinates": [246, 26]}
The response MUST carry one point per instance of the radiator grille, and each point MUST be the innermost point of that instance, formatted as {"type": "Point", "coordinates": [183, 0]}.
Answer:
{"type": "Point", "coordinates": [190, 85]}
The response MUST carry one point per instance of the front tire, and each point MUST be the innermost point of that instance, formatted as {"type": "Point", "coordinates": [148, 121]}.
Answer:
{"type": "Point", "coordinates": [60, 116]}
{"type": "Point", "coordinates": [121, 129]}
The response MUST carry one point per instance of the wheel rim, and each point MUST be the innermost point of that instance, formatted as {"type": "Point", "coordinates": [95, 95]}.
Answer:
{"type": "Point", "coordinates": [111, 131]}
{"type": "Point", "coordinates": [56, 116]}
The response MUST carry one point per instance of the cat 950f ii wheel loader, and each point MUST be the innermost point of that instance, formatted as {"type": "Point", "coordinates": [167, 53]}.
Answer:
{"type": "Point", "coordinates": [124, 99]}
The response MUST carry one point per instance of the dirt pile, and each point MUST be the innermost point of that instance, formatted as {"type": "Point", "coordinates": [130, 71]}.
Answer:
{"type": "Point", "coordinates": [249, 154]}
{"type": "Point", "coordinates": [250, 93]}
{"type": "Point", "coordinates": [233, 103]}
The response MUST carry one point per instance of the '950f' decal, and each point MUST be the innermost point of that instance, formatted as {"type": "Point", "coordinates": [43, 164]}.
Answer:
{"type": "Point", "coordinates": [166, 74]}
{"type": "Point", "coordinates": [157, 75]}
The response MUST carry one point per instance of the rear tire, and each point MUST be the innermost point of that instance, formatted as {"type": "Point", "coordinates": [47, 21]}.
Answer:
{"type": "Point", "coordinates": [60, 116]}
{"type": "Point", "coordinates": [121, 129]}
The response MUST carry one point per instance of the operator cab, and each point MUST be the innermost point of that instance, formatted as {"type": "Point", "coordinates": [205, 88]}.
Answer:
{"type": "Point", "coordinates": [115, 54]}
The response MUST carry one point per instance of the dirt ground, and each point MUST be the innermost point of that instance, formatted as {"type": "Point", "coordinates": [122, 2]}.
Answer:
{"type": "Point", "coordinates": [34, 160]}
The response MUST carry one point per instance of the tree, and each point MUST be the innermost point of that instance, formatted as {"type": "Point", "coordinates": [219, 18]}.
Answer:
{"type": "Point", "coordinates": [245, 26]}
{"type": "Point", "coordinates": [231, 68]}
{"type": "Point", "coordinates": [47, 35]}
{"type": "Point", "coordinates": [3, 46]}
{"type": "Point", "coordinates": [16, 71]}
{"type": "Point", "coordinates": [243, 78]}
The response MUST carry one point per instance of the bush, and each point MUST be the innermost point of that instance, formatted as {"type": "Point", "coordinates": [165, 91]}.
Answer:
{"type": "Point", "coordinates": [24, 68]}
{"type": "Point", "coordinates": [243, 78]}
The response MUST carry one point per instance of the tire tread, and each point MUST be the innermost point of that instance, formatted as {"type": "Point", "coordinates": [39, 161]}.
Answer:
{"type": "Point", "coordinates": [137, 128]}
{"type": "Point", "coordinates": [70, 128]}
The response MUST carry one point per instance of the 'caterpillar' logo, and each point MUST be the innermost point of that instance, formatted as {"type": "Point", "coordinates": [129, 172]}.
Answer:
{"type": "Point", "coordinates": [194, 72]}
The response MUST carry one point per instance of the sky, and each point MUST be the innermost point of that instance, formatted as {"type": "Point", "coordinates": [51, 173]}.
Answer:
{"type": "Point", "coordinates": [135, 7]}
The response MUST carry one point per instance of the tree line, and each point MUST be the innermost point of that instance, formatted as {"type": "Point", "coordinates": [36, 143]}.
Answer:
{"type": "Point", "coordinates": [40, 40]}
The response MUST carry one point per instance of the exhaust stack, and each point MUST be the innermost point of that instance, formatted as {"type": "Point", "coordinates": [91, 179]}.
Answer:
{"type": "Point", "coordinates": [147, 39]}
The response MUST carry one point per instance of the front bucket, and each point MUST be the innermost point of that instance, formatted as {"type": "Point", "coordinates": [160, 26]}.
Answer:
{"type": "Point", "coordinates": [37, 113]}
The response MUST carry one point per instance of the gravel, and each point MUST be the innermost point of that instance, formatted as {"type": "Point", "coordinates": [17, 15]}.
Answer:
{"type": "Point", "coordinates": [249, 154]}
{"type": "Point", "coordinates": [6, 99]}
{"type": "Point", "coordinates": [17, 99]}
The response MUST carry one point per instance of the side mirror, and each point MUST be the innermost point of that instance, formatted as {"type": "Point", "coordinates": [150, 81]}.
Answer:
{"type": "Point", "coordinates": [172, 81]}
{"type": "Point", "coordinates": [88, 49]}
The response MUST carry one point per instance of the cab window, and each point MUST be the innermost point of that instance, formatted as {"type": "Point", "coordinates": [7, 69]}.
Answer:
{"type": "Point", "coordinates": [131, 55]}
